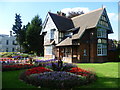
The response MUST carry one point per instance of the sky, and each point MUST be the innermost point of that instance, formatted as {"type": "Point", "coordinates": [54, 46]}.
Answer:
{"type": "Point", "coordinates": [28, 10]}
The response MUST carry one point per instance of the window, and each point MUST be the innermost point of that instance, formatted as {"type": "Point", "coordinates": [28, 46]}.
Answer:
{"type": "Point", "coordinates": [67, 51]}
{"type": "Point", "coordinates": [7, 42]}
{"type": "Point", "coordinates": [103, 18]}
{"type": "Point", "coordinates": [68, 34]}
{"type": "Point", "coordinates": [99, 41]}
{"type": "Point", "coordinates": [101, 49]}
{"type": "Point", "coordinates": [101, 33]}
{"type": "Point", "coordinates": [103, 21]}
{"type": "Point", "coordinates": [48, 50]}
{"type": "Point", "coordinates": [102, 41]}
{"type": "Point", "coordinates": [52, 34]}
{"type": "Point", "coordinates": [61, 35]}
{"type": "Point", "coordinates": [13, 42]}
{"type": "Point", "coordinates": [13, 49]}
{"type": "Point", "coordinates": [85, 53]}
{"type": "Point", "coordinates": [6, 49]}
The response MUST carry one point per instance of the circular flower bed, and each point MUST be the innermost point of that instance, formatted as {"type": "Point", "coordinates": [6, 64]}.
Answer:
{"type": "Point", "coordinates": [67, 78]}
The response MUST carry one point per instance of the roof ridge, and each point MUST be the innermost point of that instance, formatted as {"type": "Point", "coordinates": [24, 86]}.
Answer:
{"type": "Point", "coordinates": [87, 13]}
{"type": "Point", "coordinates": [60, 15]}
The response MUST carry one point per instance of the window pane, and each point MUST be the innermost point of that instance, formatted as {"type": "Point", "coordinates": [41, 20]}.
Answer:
{"type": "Point", "coordinates": [48, 50]}
{"type": "Point", "coordinates": [101, 33]}
{"type": "Point", "coordinates": [101, 49]}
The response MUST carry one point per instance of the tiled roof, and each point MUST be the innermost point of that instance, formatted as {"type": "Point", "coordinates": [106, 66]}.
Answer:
{"type": "Point", "coordinates": [61, 22]}
{"type": "Point", "coordinates": [84, 21]}
{"type": "Point", "coordinates": [65, 42]}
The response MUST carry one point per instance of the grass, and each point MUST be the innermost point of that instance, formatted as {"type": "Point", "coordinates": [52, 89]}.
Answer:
{"type": "Point", "coordinates": [107, 77]}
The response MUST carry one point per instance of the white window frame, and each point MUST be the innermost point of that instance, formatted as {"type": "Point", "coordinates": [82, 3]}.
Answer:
{"type": "Point", "coordinates": [101, 33]}
{"type": "Point", "coordinates": [103, 21]}
{"type": "Point", "coordinates": [48, 50]}
{"type": "Point", "coordinates": [61, 35]}
{"type": "Point", "coordinates": [85, 52]}
{"type": "Point", "coordinates": [52, 34]}
{"type": "Point", "coordinates": [101, 49]}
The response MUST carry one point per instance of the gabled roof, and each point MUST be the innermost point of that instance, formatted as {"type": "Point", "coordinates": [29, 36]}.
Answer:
{"type": "Point", "coordinates": [61, 22]}
{"type": "Point", "coordinates": [65, 42]}
{"type": "Point", "coordinates": [86, 21]}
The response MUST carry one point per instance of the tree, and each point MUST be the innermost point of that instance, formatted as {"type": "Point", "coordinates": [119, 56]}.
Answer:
{"type": "Point", "coordinates": [34, 39]}
{"type": "Point", "coordinates": [23, 39]}
{"type": "Point", "coordinates": [17, 28]}
{"type": "Point", "coordinates": [73, 14]}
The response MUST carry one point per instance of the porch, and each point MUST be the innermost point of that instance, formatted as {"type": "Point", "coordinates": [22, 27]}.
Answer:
{"type": "Point", "coordinates": [68, 54]}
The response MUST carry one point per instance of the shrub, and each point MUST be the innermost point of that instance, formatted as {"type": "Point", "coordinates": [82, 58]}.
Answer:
{"type": "Point", "coordinates": [66, 66]}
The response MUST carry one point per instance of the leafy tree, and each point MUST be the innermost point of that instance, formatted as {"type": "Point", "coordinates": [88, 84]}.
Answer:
{"type": "Point", "coordinates": [34, 39]}
{"type": "Point", "coordinates": [23, 38]}
{"type": "Point", "coordinates": [73, 14]}
{"type": "Point", "coordinates": [17, 28]}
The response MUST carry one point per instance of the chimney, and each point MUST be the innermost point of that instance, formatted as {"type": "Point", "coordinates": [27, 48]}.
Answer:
{"type": "Point", "coordinates": [10, 33]}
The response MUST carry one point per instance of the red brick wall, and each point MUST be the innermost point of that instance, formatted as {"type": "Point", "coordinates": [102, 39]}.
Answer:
{"type": "Point", "coordinates": [89, 42]}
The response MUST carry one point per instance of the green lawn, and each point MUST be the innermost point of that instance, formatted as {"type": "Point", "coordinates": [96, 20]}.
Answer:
{"type": "Point", "coordinates": [107, 76]}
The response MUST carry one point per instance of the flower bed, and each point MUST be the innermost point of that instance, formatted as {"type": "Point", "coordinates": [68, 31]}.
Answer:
{"type": "Point", "coordinates": [65, 78]}
{"type": "Point", "coordinates": [37, 70]}
{"type": "Point", "coordinates": [88, 74]}
{"type": "Point", "coordinates": [56, 79]}
{"type": "Point", "coordinates": [16, 67]}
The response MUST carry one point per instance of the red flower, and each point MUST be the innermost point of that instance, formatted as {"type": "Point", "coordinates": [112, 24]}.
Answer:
{"type": "Point", "coordinates": [37, 70]}
{"type": "Point", "coordinates": [79, 71]}
{"type": "Point", "coordinates": [17, 66]}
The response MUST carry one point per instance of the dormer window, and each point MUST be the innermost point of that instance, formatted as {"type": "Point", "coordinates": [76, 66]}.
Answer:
{"type": "Point", "coordinates": [68, 34]}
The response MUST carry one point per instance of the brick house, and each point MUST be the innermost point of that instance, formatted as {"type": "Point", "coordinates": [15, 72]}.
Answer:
{"type": "Point", "coordinates": [83, 38]}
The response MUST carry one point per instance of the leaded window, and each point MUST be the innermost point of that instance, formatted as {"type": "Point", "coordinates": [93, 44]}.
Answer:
{"type": "Point", "coordinates": [52, 33]}
{"type": "Point", "coordinates": [101, 33]}
{"type": "Point", "coordinates": [103, 21]}
{"type": "Point", "coordinates": [101, 49]}
{"type": "Point", "coordinates": [61, 35]}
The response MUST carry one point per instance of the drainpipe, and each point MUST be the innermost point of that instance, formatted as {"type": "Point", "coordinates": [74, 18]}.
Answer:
{"type": "Point", "coordinates": [90, 41]}
{"type": "Point", "coordinates": [89, 49]}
